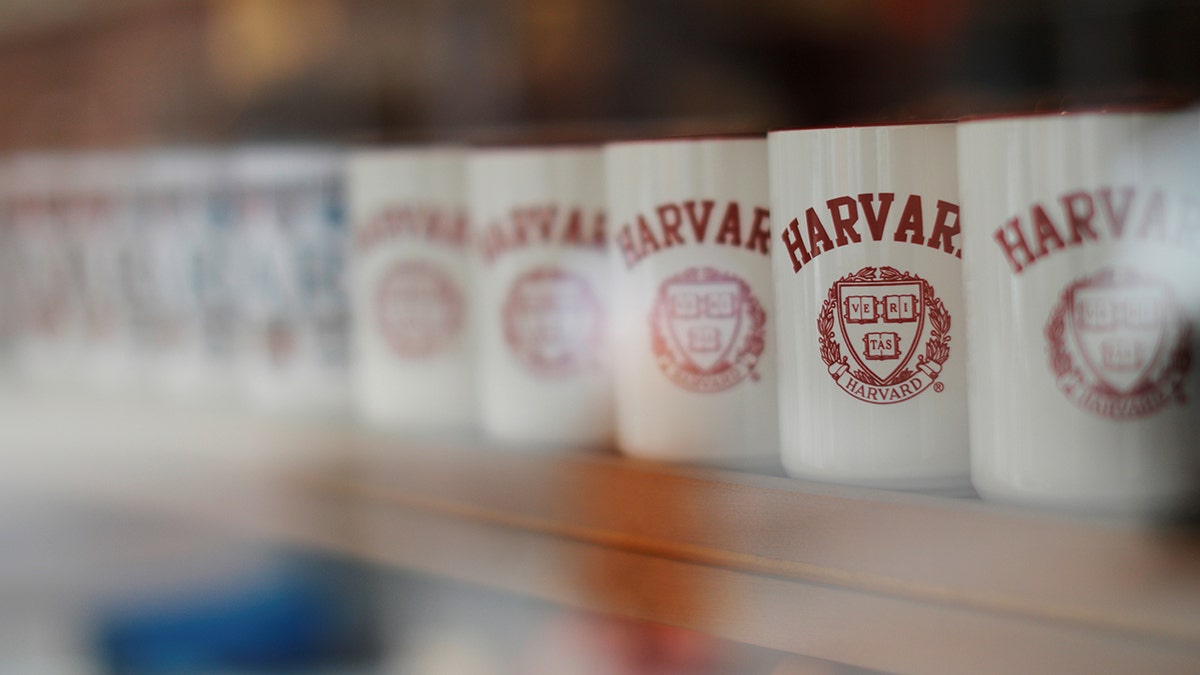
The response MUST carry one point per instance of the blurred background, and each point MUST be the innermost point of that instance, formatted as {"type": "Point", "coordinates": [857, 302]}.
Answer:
{"type": "Point", "coordinates": [84, 590]}
{"type": "Point", "coordinates": [98, 73]}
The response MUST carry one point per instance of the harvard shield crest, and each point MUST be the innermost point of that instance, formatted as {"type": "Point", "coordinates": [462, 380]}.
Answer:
{"type": "Point", "coordinates": [884, 334]}
{"type": "Point", "coordinates": [553, 322]}
{"type": "Point", "coordinates": [419, 308]}
{"type": "Point", "coordinates": [1119, 346]}
{"type": "Point", "coordinates": [707, 330]}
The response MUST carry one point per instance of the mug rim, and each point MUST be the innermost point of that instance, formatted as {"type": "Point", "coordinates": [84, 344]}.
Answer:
{"type": "Point", "coordinates": [691, 138]}
{"type": "Point", "coordinates": [471, 151]}
{"type": "Point", "coordinates": [388, 150]}
{"type": "Point", "coordinates": [880, 125]}
{"type": "Point", "coordinates": [1113, 109]}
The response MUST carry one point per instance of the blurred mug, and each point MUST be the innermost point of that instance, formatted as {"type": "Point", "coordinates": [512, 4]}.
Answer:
{"type": "Point", "coordinates": [50, 325]}
{"type": "Point", "coordinates": [411, 289]}
{"type": "Point", "coordinates": [99, 214]}
{"type": "Point", "coordinates": [294, 309]}
{"type": "Point", "coordinates": [1082, 269]}
{"type": "Point", "coordinates": [539, 224]}
{"type": "Point", "coordinates": [175, 191]}
{"type": "Point", "coordinates": [694, 340]}
{"type": "Point", "coordinates": [868, 284]}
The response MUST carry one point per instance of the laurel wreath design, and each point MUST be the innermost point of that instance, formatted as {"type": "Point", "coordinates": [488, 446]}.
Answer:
{"type": "Point", "coordinates": [658, 341]}
{"type": "Point", "coordinates": [1061, 363]}
{"type": "Point", "coordinates": [756, 341]}
{"type": "Point", "coordinates": [937, 347]}
{"type": "Point", "coordinates": [1181, 360]}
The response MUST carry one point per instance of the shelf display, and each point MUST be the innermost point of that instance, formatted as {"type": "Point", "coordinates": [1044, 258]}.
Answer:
{"type": "Point", "coordinates": [595, 336]}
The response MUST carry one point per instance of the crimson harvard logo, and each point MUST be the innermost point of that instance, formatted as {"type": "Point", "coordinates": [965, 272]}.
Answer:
{"type": "Point", "coordinates": [883, 317]}
{"type": "Point", "coordinates": [1119, 346]}
{"type": "Point", "coordinates": [554, 322]}
{"type": "Point", "coordinates": [707, 330]}
{"type": "Point", "coordinates": [419, 307]}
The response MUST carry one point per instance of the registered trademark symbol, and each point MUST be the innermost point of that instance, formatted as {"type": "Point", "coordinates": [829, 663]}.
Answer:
{"type": "Point", "coordinates": [939, 387]}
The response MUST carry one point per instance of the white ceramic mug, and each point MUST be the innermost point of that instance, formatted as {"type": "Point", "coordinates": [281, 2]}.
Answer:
{"type": "Point", "coordinates": [294, 332]}
{"type": "Point", "coordinates": [174, 216]}
{"type": "Point", "coordinates": [411, 289]}
{"type": "Point", "coordinates": [1082, 270]}
{"type": "Point", "coordinates": [539, 226]}
{"type": "Point", "coordinates": [49, 337]}
{"type": "Point", "coordinates": [868, 286]}
{"type": "Point", "coordinates": [693, 323]}
{"type": "Point", "coordinates": [99, 211]}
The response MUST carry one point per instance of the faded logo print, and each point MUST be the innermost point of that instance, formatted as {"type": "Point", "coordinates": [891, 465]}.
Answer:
{"type": "Point", "coordinates": [1119, 346]}
{"type": "Point", "coordinates": [554, 322]}
{"type": "Point", "coordinates": [707, 330]}
{"type": "Point", "coordinates": [420, 309]}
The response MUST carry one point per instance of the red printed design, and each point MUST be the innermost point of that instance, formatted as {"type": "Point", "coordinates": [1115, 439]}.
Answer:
{"type": "Point", "coordinates": [1119, 346]}
{"type": "Point", "coordinates": [707, 330]}
{"type": "Point", "coordinates": [420, 309]}
{"type": "Point", "coordinates": [281, 341]}
{"type": "Point", "coordinates": [882, 317]}
{"type": "Point", "coordinates": [554, 323]}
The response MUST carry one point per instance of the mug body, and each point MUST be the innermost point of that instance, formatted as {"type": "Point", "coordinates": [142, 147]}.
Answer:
{"type": "Point", "coordinates": [293, 339]}
{"type": "Point", "coordinates": [1082, 270]}
{"type": "Point", "coordinates": [538, 220]}
{"type": "Point", "coordinates": [868, 280]}
{"type": "Point", "coordinates": [411, 287]}
{"type": "Point", "coordinates": [693, 323]}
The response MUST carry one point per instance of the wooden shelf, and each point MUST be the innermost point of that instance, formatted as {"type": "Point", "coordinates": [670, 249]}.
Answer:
{"type": "Point", "coordinates": [869, 578]}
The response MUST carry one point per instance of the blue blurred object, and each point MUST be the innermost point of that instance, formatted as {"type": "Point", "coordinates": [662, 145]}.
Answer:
{"type": "Point", "coordinates": [277, 622]}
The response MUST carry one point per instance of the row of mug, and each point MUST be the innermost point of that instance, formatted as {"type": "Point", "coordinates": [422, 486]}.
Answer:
{"type": "Point", "coordinates": [809, 295]}
{"type": "Point", "coordinates": [188, 273]}
{"type": "Point", "coordinates": [1004, 301]}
